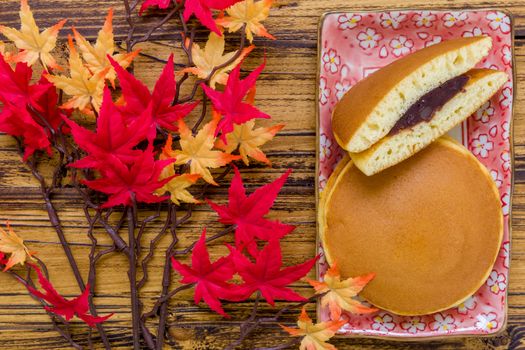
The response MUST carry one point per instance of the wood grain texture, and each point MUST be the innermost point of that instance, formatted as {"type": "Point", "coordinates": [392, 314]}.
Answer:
{"type": "Point", "coordinates": [286, 91]}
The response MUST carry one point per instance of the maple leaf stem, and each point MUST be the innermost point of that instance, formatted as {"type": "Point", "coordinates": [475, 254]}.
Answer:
{"type": "Point", "coordinates": [201, 116]}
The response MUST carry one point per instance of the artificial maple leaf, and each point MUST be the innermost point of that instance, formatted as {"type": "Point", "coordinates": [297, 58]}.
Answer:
{"type": "Point", "coordinates": [177, 187]}
{"type": "Point", "coordinates": [46, 105]}
{"type": "Point", "coordinates": [339, 294]}
{"type": "Point", "coordinates": [202, 10]}
{"type": "Point", "coordinates": [17, 96]}
{"type": "Point", "coordinates": [229, 103]}
{"type": "Point", "coordinates": [266, 276]}
{"type": "Point", "coordinates": [314, 335]}
{"type": "Point", "coordinates": [33, 44]}
{"type": "Point", "coordinates": [96, 57]}
{"type": "Point", "coordinates": [247, 213]}
{"type": "Point", "coordinates": [85, 88]}
{"type": "Point", "coordinates": [137, 99]}
{"type": "Point", "coordinates": [197, 150]}
{"type": "Point", "coordinates": [113, 136]}
{"type": "Point", "coordinates": [124, 182]}
{"type": "Point", "coordinates": [17, 89]}
{"type": "Point", "coordinates": [11, 243]}
{"type": "Point", "coordinates": [212, 56]}
{"type": "Point", "coordinates": [247, 13]}
{"type": "Point", "coordinates": [248, 140]}
{"type": "Point", "coordinates": [61, 306]}
{"type": "Point", "coordinates": [209, 278]}
{"type": "Point", "coordinates": [161, 4]}
{"type": "Point", "coordinates": [18, 122]}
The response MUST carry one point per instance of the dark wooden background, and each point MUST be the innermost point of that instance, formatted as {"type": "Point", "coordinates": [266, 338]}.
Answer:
{"type": "Point", "coordinates": [286, 91]}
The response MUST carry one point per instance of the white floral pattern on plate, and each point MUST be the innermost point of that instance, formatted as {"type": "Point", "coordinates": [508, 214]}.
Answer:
{"type": "Point", "coordinates": [365, 41]}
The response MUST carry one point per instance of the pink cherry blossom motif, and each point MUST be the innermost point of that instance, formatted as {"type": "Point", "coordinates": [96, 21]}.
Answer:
{"type": "Point", "coordinates": [487, 322]}
{"type": "Point", "coordinates": [401, 45]}
{"type": "Point", "coordinates": [369, 38]}
{"type": "Point", "coordinates": [499, 20]}
{"type": "Point", "coordinates": [331, 61]}
{"type": "Point", "coordinates": [507, 54]}
{"type": "Point", "coordinates": [341, 87]}
{"type": "Point", "coordinates": [413, 325]}
{"type": "Point", "coordinates": [424, 19]}
{"type": "Point", "coordinates": [442, 323]}
{"type": "Point", "coordinates": [383, 52]}
{"type": "Point", "coordinates": [496, 282]}
{"type": "Point", "coordinates": [496, 176]}
{"type": "Point", "coordinates": [506, 132]}
{"type": "Point", "coordinates": [326, 147]}
{"type": "Point", "coordinates": [436, 39]}
{"type": "Point", "coordinates": [505, 249]}
{"type": "Point", "coordinates": [324, 91]}
{"type": "Point", "coordinates": [481, 146]}
{"type": "Point", "coordinates": [392, 19]}
{"type": "Point", "coordinates": [493, 131]}
{"type": "Point", "coordinates": [476, 31]}
{"type": "Point", "coordinates": [505, 204]}
{"type": "Point", "coordinates": [383, 323]}
{"type": "Point", "coordinates": [348, 21]}
{"type": "Point", "coordinates": [322, 181]}
{"type": "Point", "coordinates": [505, 99]}
{"type": "Point", "coordinates": [454, 18]}
{"type": "Point", "coordinates": [467, 305]}
{"type": "Point", "coordinates": [505, 157]}
{"type": "Point", "coordinates": [484, 113]}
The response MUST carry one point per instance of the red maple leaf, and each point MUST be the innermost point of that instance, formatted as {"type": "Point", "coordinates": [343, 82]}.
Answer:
{"type": "Point", "coordinates": [266, 276]}
{"type": "Point", "coordinates": [247, 213]}
{"type": "Point", "coordinates": [17, 95]}
{"type": "Point", "coordinates": [162, 4]}
{"type": "Point", "coordinates": [209, 278]}
{"type": "Point", "coordinates": [113, 136]}
{"type": "Point", "coordinates": [61, 306]}
{"type": "Point", "coordinates": [138, 98]}
{"type": "Point", "coordinates": [46, 108]}
{"type": "Point", "coordinates": [202, 10]}
{"type": "Point", "coordinates": [124, 182]}
{"type": "Point", "coordinates": [229, 103]}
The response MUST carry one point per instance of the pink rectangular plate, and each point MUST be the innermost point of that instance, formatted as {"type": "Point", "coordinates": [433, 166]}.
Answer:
{"type": "Point", "coordinates": [353, 45]}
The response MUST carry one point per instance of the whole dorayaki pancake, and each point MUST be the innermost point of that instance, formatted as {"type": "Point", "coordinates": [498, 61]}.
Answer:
{"type": "Point", "coordinates": [430, 228]}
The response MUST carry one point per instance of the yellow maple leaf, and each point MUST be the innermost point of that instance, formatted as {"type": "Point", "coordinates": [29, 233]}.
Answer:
{"type": "Point", "coordinates": [339, 293]}
{"type": "Point", "coordinates": [249, 13]}
{"type": "Point", "coordinates": [11, 243]}
{"type": "Point", "coordinates": [198, 151]}
{"type": "Point", "coordinates": [177, 187]}
{"type": "Point", "coordinates": [315, 336]}
{"type": "Point", "coordinates": [85, 88]}
{"type": "Point", "coordinates": [96, 56]}
{"type": "Point", "coordinates": [32, 44]}
{"type": "Point", "coordinates": [212, 56]}
{"type": "Point", "coordinates": [248, 140]}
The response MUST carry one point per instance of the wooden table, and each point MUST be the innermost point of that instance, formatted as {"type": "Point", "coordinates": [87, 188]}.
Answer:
{"type": "Point", "coordinates": [286, 91]}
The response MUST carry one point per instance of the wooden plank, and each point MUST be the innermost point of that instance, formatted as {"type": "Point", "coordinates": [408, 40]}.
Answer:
{"type": "Point", "coordinates": [286, 91]}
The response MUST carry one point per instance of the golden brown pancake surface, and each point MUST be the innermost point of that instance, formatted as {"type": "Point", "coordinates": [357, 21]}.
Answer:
{"type": "Point", "coordinates": [430, 228]}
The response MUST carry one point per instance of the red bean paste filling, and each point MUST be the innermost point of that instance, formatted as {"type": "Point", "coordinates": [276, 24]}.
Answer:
{"type": "Point", "coordinates": [424, 109]}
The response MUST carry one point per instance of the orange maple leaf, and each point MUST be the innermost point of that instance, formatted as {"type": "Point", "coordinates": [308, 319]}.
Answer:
{"type": "Point", "coordinates": [212, 56]}
{"type": "Point", "coordinates": [85, 88]}
{"type": "Point", "coordinates": [248, 140]}
{"type": "Point", "coordinates": [198, 151]}
{"type": "Point", "coordinates": [178, 185]}
{"type": "Point", "coordinates": [33, 44]}
{"type": "Point", "coordinates": [247, 13]}
{"type": "Point", "coordinates": [11, 243]}
{"type": "Point", "coordinates": [315, 336]}
{"type": "Point", "coordinates": [96, 57]}
{"type": "Point", "coordinates": [339, 293]}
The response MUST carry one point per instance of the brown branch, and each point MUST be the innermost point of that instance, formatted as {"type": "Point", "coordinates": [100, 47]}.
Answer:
{"type": "Point", "coordinates": [132, 275]}
{"type": "Point", "coordinates": [208, 240]}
